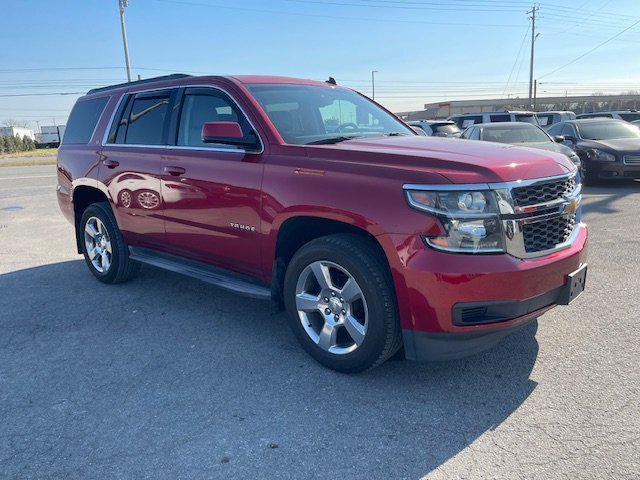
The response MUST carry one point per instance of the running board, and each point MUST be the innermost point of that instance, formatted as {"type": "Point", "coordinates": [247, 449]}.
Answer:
{"type": "Point", "coordinates": [232, 281]}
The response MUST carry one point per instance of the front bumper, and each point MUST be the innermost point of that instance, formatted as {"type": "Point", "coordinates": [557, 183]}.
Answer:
{"type": "Point", "coordinates": [615, 170]}
{"type": "Point", "coordinates": [430, 284]}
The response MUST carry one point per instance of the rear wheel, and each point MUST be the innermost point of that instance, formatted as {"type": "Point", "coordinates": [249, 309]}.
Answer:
{"type": "Point", "coordinates": [103, 247]}
{"type": "Point", "coordinates": [341, 303]}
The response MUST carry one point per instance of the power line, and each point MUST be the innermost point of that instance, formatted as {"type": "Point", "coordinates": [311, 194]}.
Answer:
{"type": "Point", "coordinates": [40, 94]}
{"type": "Point", "coordinates": [524, 39]}
{"type": "Point", "coordinates": [421, 6]}
{"type": "Point", "coordinates": [312, 15]}
{"type": "Point", "coordinates": [590, 51]}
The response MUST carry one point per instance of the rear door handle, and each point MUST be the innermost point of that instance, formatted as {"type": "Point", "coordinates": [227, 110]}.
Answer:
{"type": "Point", "coordinates": [110, 163]}
{"type": "Point", "coordinates": [175, 171]}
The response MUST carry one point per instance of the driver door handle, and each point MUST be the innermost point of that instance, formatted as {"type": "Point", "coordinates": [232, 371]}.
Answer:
{"type": "Point", "coordinates": [110, 163]}
{"type": "Point", "coordinates": [173, 170]}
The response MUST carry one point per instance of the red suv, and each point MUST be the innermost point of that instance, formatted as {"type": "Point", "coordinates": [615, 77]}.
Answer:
{"type": "Point", "coordinates": [310, 194]}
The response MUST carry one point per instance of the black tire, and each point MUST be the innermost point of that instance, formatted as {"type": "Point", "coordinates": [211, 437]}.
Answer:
{"type": "Point", "coordinates": [363, 260]}
{"type": "Point", "coordinates": [122, 268]}
{"type": "Point", "coordinates": [588, 177]}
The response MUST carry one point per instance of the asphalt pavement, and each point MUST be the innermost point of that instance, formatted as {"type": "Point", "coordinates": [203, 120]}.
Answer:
{"type": "Point", "coordinates": [168, 378]}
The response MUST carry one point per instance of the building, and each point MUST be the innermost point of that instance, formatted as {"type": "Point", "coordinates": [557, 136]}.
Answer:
{"type": "Point", "coordinates": [17, 132]}
{"type": "Point", "coordinates": [577, 104]}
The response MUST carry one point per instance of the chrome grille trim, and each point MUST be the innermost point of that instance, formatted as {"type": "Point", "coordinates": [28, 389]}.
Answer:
{"type": "Point", "coordinates": [631, 159]}
{"type": "Point", "coordinates": [515, 217]}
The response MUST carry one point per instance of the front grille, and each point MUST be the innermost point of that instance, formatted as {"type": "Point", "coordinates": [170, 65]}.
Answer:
{"type": "Point", "coordinates": [543, 192]}
{"type": "Point", "coordinates": [547, 234]}
{"type": "Point", "coordinates": [632, 159]}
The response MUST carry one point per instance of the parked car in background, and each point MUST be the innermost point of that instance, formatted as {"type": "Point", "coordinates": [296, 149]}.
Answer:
{"type": "Point", "coordinates": [370, 236]}
{"type": "Point", "coordinates": [608, 148]}
{"type": "Point", "coordinates": [437, 128]}
{"type": "Point", "coordinates": [549, 118]}
{"type": "Point", "coordinates": [636, 123]}
{"type": "Point", "coordinates": [523, 134]}
{"type": "Point", "coordinates": [626, 115]}
{"type": "Point", "coordinates": [467, 119]}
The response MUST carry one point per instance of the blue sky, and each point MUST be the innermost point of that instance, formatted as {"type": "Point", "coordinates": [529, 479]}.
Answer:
{"type": "Point", "coordinates": [424, 50]}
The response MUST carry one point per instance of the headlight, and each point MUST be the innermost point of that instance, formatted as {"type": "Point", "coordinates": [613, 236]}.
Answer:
{"type": "Point", "coordinates": [470, 219]}
{"type": "Point", "coordinates": [602, 156]}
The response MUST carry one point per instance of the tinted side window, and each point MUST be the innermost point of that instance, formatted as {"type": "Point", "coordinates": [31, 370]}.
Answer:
{"type": "Point", "coordinates": [471, 120]}
{"type": "Point", "coordinates": [555, 129]}
{"type": "Point", "coordinates": [500, 118]}
{"type": "Point", "coordinates": [201, 105]}
{"type": "Point", "coordinates": [546, 119]}
{"type": "Point", "coordinates": [146, 119]}
{"type": "Point", "coordinates": [568, 130]}
{"type": "Point", "coordinates": [83, 120]}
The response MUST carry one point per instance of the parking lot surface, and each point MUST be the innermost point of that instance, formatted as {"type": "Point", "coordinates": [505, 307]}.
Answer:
{"type": "Point", "coordinates": [166, 377]}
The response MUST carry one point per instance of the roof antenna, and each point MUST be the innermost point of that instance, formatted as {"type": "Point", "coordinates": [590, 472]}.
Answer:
{"type": "Point", "coordinates": [332, 81]}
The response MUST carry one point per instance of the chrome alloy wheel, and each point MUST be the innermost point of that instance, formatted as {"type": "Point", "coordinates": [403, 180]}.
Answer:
{"type": "Point", "coordinates": [98, 244]}
{"type": "Point", "coordinates": [331, 307]}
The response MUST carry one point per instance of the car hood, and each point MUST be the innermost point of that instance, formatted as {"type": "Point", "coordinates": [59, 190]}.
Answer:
{"type": "Point", "coordinates": [460, 161]}
{"type": "Point", "coordinates": [616, 144]}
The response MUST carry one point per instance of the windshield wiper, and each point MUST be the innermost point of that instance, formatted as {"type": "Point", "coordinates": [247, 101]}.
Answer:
{"type": "Point", "coordinates": [395, 134]}
{"type": "Point", "coordinates": [329, 141]}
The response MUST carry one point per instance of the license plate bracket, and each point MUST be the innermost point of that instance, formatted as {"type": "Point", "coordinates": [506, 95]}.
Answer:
{"type": "Point", "coordinates": [576, 282]}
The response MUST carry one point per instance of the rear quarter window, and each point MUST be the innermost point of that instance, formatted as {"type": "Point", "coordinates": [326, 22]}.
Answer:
{"type": "Point", "coordinates": [83, 120]}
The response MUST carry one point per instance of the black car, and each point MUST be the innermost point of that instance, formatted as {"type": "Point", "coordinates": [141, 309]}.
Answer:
{"type": "Point", "coordinates": [524, 134]}
{"type": "Point", "coordinates": [436, 128]}
{"type": "Point", "coordinates": [608, 148]}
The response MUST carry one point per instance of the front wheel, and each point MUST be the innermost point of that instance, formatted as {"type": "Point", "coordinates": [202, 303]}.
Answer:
{"type": "Point", "coordinates": [341, 303]}
{"type": "Point", "coordinates": [103, 247]}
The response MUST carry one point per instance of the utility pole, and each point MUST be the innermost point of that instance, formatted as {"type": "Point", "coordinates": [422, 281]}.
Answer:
{"type": "Point", "coordinates": [122, 4]}
{"type": "Point", "coordinates": [373, 84]}
{"type": "Point", "coordinates": [533, 11]}
{"type": "Point", "coordinates": [535, 93]}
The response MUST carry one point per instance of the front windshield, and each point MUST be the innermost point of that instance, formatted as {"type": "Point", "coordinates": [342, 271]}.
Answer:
{"type": "Point", "coordinates": [608, 130]}
{"type": "Point", "coordinates": [305, 114]}
{"type": "Point", "coordinates": [512, 134]}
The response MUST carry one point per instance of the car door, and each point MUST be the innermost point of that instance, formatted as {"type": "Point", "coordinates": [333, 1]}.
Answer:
{"type": "Point", "coordinates": [211, 192]}
{"type": "Point", "coordinates": [131, 162]}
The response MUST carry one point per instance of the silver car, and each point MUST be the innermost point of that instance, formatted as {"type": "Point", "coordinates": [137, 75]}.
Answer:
{"type": "Point", "coordinates": [523, 134]}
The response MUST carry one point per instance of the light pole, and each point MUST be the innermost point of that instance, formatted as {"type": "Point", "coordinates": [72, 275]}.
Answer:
{"type": "Point", "coordinates": [373, 84]}
{"type": "Point", "coordinates": [534, 35]}
{"type": "Point", "coordinates": [122, 4]}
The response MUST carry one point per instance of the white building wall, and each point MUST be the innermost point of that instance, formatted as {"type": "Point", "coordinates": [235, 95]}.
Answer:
{"type": "Point", "coordinates": [17, 132]}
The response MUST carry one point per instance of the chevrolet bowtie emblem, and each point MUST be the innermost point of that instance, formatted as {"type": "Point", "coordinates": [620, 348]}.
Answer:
{"type": "Point", "coordinates": [570, 208]}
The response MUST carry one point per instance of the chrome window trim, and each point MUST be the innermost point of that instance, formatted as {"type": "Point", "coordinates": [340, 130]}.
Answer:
{"type": "Point", "coordinates": [112, 117]}
{"type": "Point", "coordinates": [512, 217]}
{"type": "Point", "coordinates": [182, 147]}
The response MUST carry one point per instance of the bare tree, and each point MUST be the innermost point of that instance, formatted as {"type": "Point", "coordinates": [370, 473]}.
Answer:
{"type": "Point", "coordinates": [11, 122]}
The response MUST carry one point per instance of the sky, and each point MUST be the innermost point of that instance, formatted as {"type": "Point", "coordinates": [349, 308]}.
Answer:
{"type": "Point", "coordinates": [423, 50]}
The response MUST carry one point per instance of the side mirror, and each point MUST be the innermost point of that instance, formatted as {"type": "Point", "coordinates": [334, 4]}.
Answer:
{"type": "Point", "coordinates": [570, 138]}
{"type": "Point", "coordinates": [226, 133]}
{"type": "Point", "coordinates": [558, 138]}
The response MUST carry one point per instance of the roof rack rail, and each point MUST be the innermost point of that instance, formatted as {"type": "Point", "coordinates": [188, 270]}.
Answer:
{"type": "Point", "coordinates": [173, 76]}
